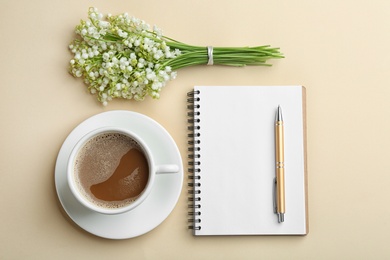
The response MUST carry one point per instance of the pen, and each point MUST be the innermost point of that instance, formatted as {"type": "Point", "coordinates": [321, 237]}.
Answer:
{"type": "Point", "coordinates": [279, 166]}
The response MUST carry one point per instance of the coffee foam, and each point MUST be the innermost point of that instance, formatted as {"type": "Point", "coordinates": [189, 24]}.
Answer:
{"type": "Point", "coordinates": [97, 160]}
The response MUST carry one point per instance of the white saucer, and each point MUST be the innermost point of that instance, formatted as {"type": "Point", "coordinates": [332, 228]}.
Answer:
{"type": "Point", "coordinates": [157, 206]}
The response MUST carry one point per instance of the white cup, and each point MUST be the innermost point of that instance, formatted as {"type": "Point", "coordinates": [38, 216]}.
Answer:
{"type": "Point", "coordinates": [153, 170]}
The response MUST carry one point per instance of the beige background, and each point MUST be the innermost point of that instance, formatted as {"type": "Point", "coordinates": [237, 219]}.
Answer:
{"type": "Point", "coordinates": [339, 50]}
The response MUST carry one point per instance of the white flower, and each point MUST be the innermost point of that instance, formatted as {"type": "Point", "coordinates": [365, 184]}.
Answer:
{"type": "Point", "coordinates": [91, 30]}
{"type": "Point", "coordinates": [104, 24]}
{"type": "Point", "coordinates": [156, 95]}
{"type": "Point", "coordinates": [106, 56]}
{"type": "Point", "coordinates": [151, 76]}
{"type": "Point", "coordinates": [173, 75]}
{"type": "Point", "coordinates": [156, 85]}
{"type": "Point", "coordinates": [133, 66]}
{"type": "Point", "coordinates": [157, 31]}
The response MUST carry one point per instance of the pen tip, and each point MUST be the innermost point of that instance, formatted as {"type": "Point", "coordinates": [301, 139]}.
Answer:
{"type": "Point", "coordinates": [279, 114]}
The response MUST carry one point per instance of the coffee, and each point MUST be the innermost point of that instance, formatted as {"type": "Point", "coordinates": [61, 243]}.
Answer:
{"type": "Point", "coordinates": [111, 170]}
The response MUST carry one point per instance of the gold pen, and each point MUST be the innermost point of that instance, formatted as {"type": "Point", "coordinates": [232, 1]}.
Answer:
{"type": "Point", "coordinates": [279, 171]}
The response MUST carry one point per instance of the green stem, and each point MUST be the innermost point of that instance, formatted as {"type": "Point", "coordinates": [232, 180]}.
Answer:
{"type": "Point", "coordinates": [228, 56]}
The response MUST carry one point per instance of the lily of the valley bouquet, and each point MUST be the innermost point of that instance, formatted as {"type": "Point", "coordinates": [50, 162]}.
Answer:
{"type": "Point", "coordinates": [122, 57]}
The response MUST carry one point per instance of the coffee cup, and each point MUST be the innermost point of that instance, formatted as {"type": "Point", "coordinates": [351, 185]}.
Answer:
{"type": "Point", "coordinates": [112, 170]}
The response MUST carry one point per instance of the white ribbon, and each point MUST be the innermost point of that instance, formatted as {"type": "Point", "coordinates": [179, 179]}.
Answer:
{"type": "Point", "coordinates": [210, 55]}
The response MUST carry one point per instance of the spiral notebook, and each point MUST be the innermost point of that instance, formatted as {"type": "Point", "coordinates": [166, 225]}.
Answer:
{"type": "Point", "coordinates": [232, 160]}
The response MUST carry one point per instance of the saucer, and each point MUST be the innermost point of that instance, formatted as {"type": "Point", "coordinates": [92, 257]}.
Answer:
{"type": "Point", "coordinates": [156, 207]}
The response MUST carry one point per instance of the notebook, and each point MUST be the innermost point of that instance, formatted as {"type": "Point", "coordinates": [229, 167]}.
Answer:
{"type": "Point", "coordinates": [232, 160]}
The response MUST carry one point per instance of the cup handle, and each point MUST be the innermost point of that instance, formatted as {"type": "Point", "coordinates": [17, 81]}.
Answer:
{"type": "Point", "coordinates": [167, 168]}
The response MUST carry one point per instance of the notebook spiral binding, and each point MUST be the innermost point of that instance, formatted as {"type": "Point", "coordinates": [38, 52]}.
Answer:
{"type": "Point", "coordinates": [194, 185]}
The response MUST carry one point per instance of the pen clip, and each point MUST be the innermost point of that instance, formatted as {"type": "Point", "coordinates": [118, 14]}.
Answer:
{"type": "Point", "coordinates": [274, 196]}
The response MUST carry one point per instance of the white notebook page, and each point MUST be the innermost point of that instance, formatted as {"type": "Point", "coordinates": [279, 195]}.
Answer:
{"type": "Point", "coordinates": [238, 160]}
